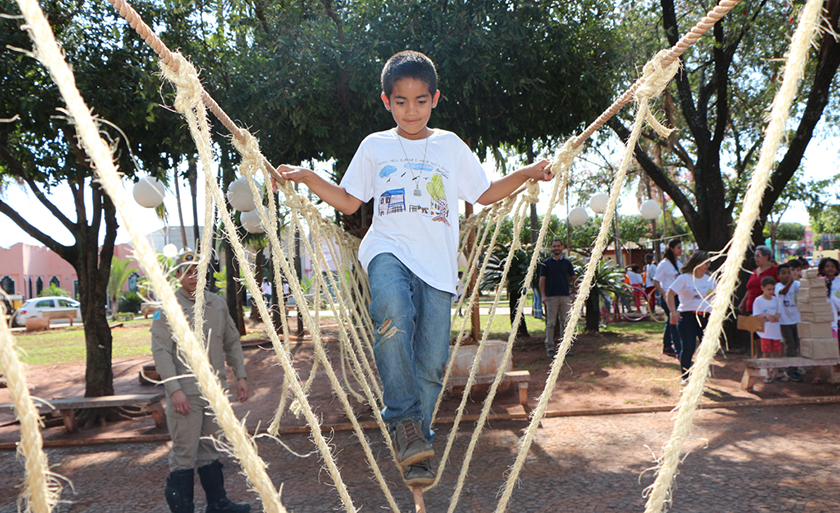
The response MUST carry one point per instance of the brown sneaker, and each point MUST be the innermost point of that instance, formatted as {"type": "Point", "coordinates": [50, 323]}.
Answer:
{"type": "Point", "coordinates": [419, 474]}
{"type": "Point", "coordinates": [411, 446]}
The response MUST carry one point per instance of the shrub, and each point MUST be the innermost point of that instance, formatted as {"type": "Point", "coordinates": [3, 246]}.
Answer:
{"type": "Point", "coordinates": [53, 290]}
{"type": "Point", "coordinates": [130, 302]}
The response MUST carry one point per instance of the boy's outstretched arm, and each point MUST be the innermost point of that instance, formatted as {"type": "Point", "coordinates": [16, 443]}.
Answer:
{"type": "Point", "coordinates": [329, 192]}
{"type": "Point", "coordinates": [505, 186]}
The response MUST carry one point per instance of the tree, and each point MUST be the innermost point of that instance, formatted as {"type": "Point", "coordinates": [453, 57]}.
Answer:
{"type": "Point", "coordinates": [120, 271]}
{"type": "Point", "coordinates": [319, 62]}
{"type": "Point", "coordinates": [719, 100]}
{"type": "Point", "coordinates": [608, 279]}
{"type": "Point", "coordinates": [515, 283]}
{"type": "Point", "coordinates": [39, 148]}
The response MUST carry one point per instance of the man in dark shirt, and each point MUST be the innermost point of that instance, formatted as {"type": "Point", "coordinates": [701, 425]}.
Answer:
{"type": "Point", "coordinates": [557, 282]}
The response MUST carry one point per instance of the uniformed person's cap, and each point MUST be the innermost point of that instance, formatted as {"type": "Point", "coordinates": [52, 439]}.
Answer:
{"type": "Point", "coordinates": [186, 258]}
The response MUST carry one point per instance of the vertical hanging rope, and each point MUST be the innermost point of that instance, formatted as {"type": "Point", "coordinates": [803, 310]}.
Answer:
{"type": "Point", "coordinates": [48, 53]}
{"type": "Point", "coordinates": [656, 78]}
{"type": "Point", "coordinates": [187, 77]}
{"type": "Point", "coordinates": [40, 490]}
{"type": "Point", "coordinates": [797, 57]}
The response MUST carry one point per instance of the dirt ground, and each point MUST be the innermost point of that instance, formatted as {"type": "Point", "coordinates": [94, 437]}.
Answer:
{"type": "Point", "coordinates": [606, 371]}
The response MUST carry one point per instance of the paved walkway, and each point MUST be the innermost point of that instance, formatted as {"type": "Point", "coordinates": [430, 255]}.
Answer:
{"type": "Point", "coordinates": [742, 460]}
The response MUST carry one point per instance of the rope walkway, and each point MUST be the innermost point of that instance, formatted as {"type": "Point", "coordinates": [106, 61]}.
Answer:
{"type": "Point", "coordinates": [346, 294]}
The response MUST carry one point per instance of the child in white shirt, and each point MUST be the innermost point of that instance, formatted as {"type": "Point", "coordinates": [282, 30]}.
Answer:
{"type": "Point", "coordinates": [767, 306]}
{"type": "Point", "coordinates": [787, 292]}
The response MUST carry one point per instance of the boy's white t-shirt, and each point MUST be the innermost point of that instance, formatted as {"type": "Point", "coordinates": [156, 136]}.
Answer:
{"type": "Point", "coordinates": [416, 185]}
{"type": "Point", "coordinates": [666, 274]}
{"type": "Point", "coordinates": [635, 278]}
{"type": "Point", "coordinates": [788, 310]}
{"type": "Point", "coordinates": [650, 273]}
{"type": "Point", "coordinates": [694, 293]}
{"type": "Point", "coordinates": [771, 307]}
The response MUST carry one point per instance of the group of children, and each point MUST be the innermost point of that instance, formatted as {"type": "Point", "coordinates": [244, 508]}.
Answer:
{"type": "Point", "coordinates": [778, 306]}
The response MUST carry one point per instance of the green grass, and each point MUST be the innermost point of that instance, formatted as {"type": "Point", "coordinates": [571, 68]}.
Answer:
{"type": "Point", "coordinates": [500, 328]}
{"type": "Point", "coordinates": [67, 345]}
{"type": "Point", "coordinates": [646, 327]}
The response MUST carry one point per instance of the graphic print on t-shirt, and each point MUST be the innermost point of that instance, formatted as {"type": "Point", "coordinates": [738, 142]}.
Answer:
{"type": "Point", "coordinates": [432, 204]}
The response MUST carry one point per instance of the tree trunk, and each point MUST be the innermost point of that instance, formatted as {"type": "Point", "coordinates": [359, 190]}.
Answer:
{"type": "Point", "coordinates": [514, 295]}
{"type": "Point", "coordinates": [93, 268]}
{"type": "Point", "coordinates": [593, 311]}
{"type": "Point", "coordinates": [193, 179]}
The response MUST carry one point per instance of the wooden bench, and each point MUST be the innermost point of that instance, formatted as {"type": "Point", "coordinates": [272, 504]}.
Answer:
{"type": "Point", "coordinates": [757, 367]}
{"type": "Point", "coordinates": [150, 402]}
{"type": "Point", "coordinates": [67, 313]}
{"type": "Point", "coordinates": [519, 378]}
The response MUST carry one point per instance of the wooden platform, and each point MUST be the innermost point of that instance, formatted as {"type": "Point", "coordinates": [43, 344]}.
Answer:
{"type": "Point", "coordinates": [151, 402]}
{"type": "Point", "coordinates": [519, 378]}
{"type": "Point", "coordinates": [757, 367]}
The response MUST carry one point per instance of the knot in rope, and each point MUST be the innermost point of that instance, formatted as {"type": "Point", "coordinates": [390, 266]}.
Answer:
{"type": "Point", "coordinates": [533, 192]}
{"type": "Point", "coordinates": [249, 148]}
{"type": "Point", "coordinates": [565, 156]}
{"type": "Point", "coordinates": [187, 85]}
{"type": "Point", "coordinates": [656, 78]}
{"type": "Point", "coordinates": [502, 208]}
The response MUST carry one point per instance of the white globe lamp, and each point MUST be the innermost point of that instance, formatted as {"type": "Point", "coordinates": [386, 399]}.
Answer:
{"type": "Point", "coordinates": [251, 222]}
{"type": "Point", "coordinates": [240, 197]}
{"type": "Point", "coordinates": [170, 251]}
{"type": "Point", "coordinates": [149, 192]}
{"type": "Point", "coordinates": [578, 216]}
{"type": "Point", "coordinates": [650, 209]}
{"type": "Point", "coordinates": [598, 202]}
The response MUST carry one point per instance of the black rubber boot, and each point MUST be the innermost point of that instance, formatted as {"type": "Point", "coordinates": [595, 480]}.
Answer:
{"type": "Point", "coordinates": [213, 483]}
{"type": "Point", "coordinates": [179, 491]}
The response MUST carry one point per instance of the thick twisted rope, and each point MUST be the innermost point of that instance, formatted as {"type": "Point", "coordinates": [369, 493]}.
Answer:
{"type": "Point", "coordinates": [196, 120]}
{"type": "Point", "coordinates": [50, 56]}
{"type": "Point", "coordinates": [657, 76]}
{"type": "Point", "coordinates": [40, 489]}
{"type": "Point", "coordinates": [797, 57]}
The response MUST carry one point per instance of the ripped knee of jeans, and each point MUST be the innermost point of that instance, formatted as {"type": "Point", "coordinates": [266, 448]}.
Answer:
{"type": "Point", "coordinates": [388, 330]}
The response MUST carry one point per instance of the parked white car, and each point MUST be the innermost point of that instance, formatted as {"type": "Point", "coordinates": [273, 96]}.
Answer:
{"type": "Point", "coordinates": [51, 306]}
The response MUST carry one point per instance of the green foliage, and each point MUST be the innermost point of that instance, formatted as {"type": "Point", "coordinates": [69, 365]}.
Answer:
{"type": "Point", "coordinates": [320, 62]}
{"type": "Point", "coordinates": [608, 278]}
{"type": "Point", "coordinates": [788, 231]}
{"type": "Point", "coordinates": [130, 302]}
{"type": "Point", "coordinates": [718, 104]}
{"type": "Point", "coordinates": [518, 271]}
{"type": "Point", "coordinates": [54, 290]}
{"type": "Point", "coordinates": [120, 271]}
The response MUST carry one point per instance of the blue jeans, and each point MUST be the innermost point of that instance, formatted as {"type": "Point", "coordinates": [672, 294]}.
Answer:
{"type": "Point", "coordinates": [690, 326]}
{"type": "Point", "coordinates": [671, 336]}
{"type": "Point", "coordinates": [411, 341]}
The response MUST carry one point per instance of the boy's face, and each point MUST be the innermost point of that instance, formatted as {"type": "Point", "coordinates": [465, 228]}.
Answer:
{"type": "Point", "coordinates": [411, 104]}
{"type": "Point", "coordinates": [769, 290]}
{"type": "Point", "coordinates": [796, 274]}
{"type": "Point", "coordinates": [784, 276]}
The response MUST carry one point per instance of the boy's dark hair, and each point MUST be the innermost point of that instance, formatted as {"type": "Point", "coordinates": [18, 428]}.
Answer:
{"type": "Point", "coordinates": [785, 266]}
{"type": "Point", "coordinates": [409, 64]}
{"type": "Point", "coordinates": [793, 263]}
{"type": "Point", "coordinates": [635, 268]}
{"type": "Point", "coordinates": [649, 257]}
{"type": "Point", "coordinates": [768, 280]}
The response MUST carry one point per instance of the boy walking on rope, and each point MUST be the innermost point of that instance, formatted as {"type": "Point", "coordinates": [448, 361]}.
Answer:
{"type": "Point", "coordinates": [188, 415]}
{"type": "Point", "coordinates": [416, 175]}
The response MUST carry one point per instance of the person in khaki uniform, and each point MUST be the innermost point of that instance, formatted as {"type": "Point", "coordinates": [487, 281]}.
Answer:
{"type": "Point", "coordinates": [188, 415]}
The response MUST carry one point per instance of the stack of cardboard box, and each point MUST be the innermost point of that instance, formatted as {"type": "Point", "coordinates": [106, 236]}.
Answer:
{"type": "Point", "coordinates": [816, 339]}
